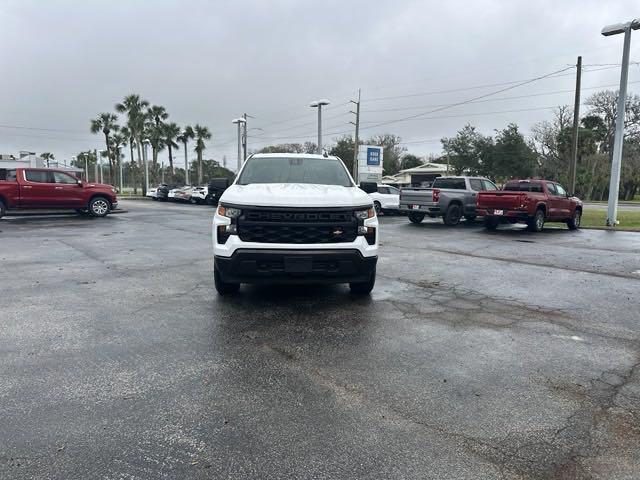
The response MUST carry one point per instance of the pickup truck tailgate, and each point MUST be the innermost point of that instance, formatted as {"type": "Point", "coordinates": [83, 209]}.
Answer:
{"type": "Point", "coordinates": [416, 196]}
{"type": "Point", "coordinates": [500, 199]}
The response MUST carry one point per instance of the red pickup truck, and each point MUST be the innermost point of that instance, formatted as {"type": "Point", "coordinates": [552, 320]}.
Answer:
{"type": "Point", "coordinates": [45, 188]}
{"type": "Point", "coordinates": [533, 202]}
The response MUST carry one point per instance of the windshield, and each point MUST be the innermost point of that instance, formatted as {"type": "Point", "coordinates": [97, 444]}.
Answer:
{"type": "Point", "coordinates": [321, 171]}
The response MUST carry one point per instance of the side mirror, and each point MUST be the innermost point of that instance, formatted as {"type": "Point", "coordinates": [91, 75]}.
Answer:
{"type": "Point", "coordinates": [369, 187]}
{"type": "Point", "coordinates": [80, 184]}
{"type": "Point", "coordinates": [219, 184]}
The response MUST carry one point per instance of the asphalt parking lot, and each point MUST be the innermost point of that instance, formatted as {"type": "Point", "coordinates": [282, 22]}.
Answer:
{"type": "Point", "coordinates": [479, 355]}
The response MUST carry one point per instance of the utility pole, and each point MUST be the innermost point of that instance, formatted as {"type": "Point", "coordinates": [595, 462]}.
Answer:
{"type": "Point", "coordinates": [614, 184]}
{"type": "Point", "coordinates": [356, 142]}
{"type": "Point", "coordinates": [576, 125]}
{"type": "Point", "coordinates": [239, 122]}
{"type": "Point", "coordinates": [96, 178]}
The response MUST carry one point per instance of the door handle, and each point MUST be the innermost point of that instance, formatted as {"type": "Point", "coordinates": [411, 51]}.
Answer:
{"type": "Point", "coordinates": [58, 188]}
{"type": "Point", "coordinates": [26, 186]}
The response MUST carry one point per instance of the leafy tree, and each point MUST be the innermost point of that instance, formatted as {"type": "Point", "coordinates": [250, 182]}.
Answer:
{"type": "Point", "coordinates": [184, 137]}
{"type": "Point", "coordinates": [469, 151]}
{"type": "Point", "coordinates": [171, 132]}
{"type": "Point", "coordinates": [344, 149]}
{"type": "Point", "coordinates": [201, 134]}
{"type": "Point", "coordinates": [392, 153]}
{"type": "Point", "coordinates": [47, 156]}
{"type": "Point", "coordinates": [134, 107]}
{"type": "Point", "coordinates": [106, 123]}
{"type": "Point", "coordinates": [210, 169]}
{"type": "Point", "coordinates": [155, 134]}
{"type": "Point", "coordinates": [410, 161]}
{"type": "Point", "coordinates": [511, 155]}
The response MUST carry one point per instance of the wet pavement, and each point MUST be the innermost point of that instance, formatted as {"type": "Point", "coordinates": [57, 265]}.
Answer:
{"type": "Point", "coordinates": [479, 354]}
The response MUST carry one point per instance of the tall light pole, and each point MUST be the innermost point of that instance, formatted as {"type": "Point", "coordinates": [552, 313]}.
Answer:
{"type": "Point", "coordinates": [120, 166]}
{"type": "Point", "coordinates": [186, 158]}
{"type": "Point", "coordinates": [239, 121]}
{"type": "Point", "coordinates": [614, 184]}
{"type": "Point", "coordinates": [145, 142]}
{"type": "Point", "coordinates": [318, 104]}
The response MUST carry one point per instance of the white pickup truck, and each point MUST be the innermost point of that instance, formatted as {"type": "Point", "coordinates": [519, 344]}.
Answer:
{"type": "Point", "coordinates": [295, 218]}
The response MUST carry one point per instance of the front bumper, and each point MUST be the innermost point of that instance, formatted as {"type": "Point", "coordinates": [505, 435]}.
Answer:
{"type": "Point", "coordinates": [295, 266]}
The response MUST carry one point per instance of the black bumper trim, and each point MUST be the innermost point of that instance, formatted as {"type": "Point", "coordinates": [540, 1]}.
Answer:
{"type": "Point", "coordinates": [319, 266]}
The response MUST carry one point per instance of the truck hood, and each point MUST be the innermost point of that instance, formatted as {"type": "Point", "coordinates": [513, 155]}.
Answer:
{"type": "Point", "coordinates": [295, 195]}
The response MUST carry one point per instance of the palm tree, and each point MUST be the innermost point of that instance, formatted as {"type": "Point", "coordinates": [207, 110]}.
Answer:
{"type": "Point", "coordinates": [134, 107]}
{"type": "Point", "coordinates": [155, 134]}
{"type": "Point", "coordinates": [184, 137]}
{"type": "Point", "coordinates": [47, 156]}
{"type": "Point", "coordinates": [106, 123]}
{"type": "Point", "coordinates": [171, 132]}
{"type": "Point", "coordinates": [118, 140]}
{"type": "Point", "coordinates": [157, 113]}
{"type": "Point", "coordinates": [126, 133]}
{"type": "Point", "coordinates": [202, 134]}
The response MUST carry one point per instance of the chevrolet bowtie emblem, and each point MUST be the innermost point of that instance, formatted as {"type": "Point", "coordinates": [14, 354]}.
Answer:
{"type": "Point", "coordinates": [337, 232]}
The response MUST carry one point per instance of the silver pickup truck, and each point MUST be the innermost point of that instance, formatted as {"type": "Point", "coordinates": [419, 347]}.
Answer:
{"type": "Point", "coordinates": [449, 197]}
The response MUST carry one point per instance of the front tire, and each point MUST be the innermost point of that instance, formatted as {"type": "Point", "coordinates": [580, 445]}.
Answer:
{"type": "Point", "coordinates": [536, 224]}
{"type": "Point", "coordinates": [99, 207]}
{"type": "Point", "coordinates": [453, 214]}
{"type": "Point", "coordinates": [364, 288]}
{"type": "Point", "coordinates": [416, 217]}
{"type": "Point", "coordinates": [574, 222]}
{"type": "Point", "coordinates": [224, 288]}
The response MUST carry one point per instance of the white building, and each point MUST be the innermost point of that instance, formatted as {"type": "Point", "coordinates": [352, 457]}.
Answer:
{"type": "Point", "coordinates": [416, 176]}
{"type": "Point", "coordinates": [24, 160]}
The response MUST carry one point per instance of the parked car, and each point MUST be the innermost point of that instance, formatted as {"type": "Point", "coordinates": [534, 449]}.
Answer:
{"type": "Point", "coordinates": [386, 199]}
{"type": "Point", "coordinates": [449, 197]}
{"type": "Point", "coordinates": [162, 193]}
{"type": "Point", "coordinates": [533, 202]}
{"type": "Point", "coordinates": [295, 218]}
{"type": "Point", "coordinates": [153, 193]}
{"type": "Point", "coordinates": [182, 194]}
{"type": "Point", "coordinates": [199, 195]}
{"type": "Point", "coordinates": [44, 188]}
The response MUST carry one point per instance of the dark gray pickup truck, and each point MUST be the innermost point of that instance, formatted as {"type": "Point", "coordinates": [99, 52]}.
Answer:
{"type": "Point", "coordinates": [449, 197]}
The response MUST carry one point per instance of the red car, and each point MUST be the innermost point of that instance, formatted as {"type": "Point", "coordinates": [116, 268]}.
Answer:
{"type": "Point", "coordinates": [44, 188]}
{"type": "Point", "coordinates": [533, 202]}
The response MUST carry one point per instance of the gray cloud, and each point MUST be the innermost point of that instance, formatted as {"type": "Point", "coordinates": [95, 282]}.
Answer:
{"type": "Point", "coordinates": [63, 62]}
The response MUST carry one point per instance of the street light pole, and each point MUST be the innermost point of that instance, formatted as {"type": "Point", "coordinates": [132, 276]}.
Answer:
{"type": "Point", "coordinates": [318, 104]}
{"type": "Point", "coordinates": [145, 142]}
{"type": "Point", "coordinates": [120, 167]}
{"type": "Point", "coordinates": [614, 184]}
{"type": "Point", "coordinates": [239, 122]}
{"type": "Point", "coordinates": [186, 159]}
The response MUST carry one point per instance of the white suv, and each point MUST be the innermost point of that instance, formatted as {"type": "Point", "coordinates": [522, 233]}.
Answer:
{"type": "Point", "coordinates": [295, 218]}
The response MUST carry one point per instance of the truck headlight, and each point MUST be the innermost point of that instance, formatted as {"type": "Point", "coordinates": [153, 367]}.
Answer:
{"type": "Point", "coordinates": [364, 214]}
{"type": "Point", "coordinates": [229, 212]}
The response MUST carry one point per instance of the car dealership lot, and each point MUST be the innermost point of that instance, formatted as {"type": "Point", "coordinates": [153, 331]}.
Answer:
{"type": "Point", "coordinates": [503, 354]}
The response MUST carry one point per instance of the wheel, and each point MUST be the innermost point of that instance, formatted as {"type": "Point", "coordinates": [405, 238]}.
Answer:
{"type": "Point", "coordinates": [452, 215]}
{"type": "Point", "coordinates": [99, 207]}
{"type": "Point", "coordinates": [574, 222]}
{"type": "Point", "coordinates": [2, 209]}
{"type": "Point", "coordinates": [378, 207]}
{"type": "Point", "coordinates": [224, 288]}
{"type": "Point", "coordinates": [536, 224]}
{"type": "Point", "coordinates": [470, 218]}
{"type": "Point", "coordinates": [416, 217]}
{"type": "Point", "coordinates": [491, 223]}
{"type": "Point", "coordinates": [364, 288]}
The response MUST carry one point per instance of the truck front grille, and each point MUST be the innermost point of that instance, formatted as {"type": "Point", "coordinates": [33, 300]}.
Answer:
{"type": "Point", "coordinates": [296, 226]}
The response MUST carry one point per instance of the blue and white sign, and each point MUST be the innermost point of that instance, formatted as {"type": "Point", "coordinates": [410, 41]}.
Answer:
{"type": "Point", "coordinates": [370, 158]}
{"type": "Point", "coordinates": [373, 155]}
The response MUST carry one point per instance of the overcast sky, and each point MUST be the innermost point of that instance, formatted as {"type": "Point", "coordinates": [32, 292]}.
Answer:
{"type": "Point", "coordinates": [207, 62]}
